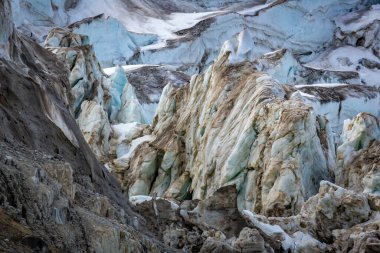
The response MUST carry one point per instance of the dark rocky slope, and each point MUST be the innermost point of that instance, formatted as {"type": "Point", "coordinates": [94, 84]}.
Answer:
{"type": "Point", "coordinates": [54, 195]}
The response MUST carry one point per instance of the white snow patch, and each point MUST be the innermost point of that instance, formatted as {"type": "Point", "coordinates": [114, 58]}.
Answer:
{"type": "Point", "coordinates": [135, 143]}
{"type": "Point", "coordinates": [164, 28]}
{"type": "Point", "coordinates": [255, 9]}
{"type": "Point", "coordinates": [139, 199]}
{"type": "Point", "coordinates": [349, 58]}
{"type": "Point", "coordinates": [126, 131]}
{"type": "Point", "coordinates": [355, 21]}
{"type": "Point", "coordinates": [270, 230]}
{"type": "Point", "coordinates": [325, 85]}
{"type": "Point", "coordinates": [303, 94]}
{"type": "Point", "coordinates": [110, 71]}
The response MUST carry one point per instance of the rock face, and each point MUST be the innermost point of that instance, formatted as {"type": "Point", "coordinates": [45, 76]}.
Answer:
{"type": "Point", "coordinates": [212, 225]}
{"type": "Point", "coordinates": [55, 195]}
{"type": "Point", "coordinates": [324, 214]}
{"type": "Point", "coordinates": [216, 225]}
{"type": "Point", "coordinates": [7, 28]}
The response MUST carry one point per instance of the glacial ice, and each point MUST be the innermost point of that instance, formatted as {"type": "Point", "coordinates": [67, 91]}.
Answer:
{"type": "Point", "coordinates": [355, 21]}
{"type": "Point", "coordinates": [337, 111]}
{"type": "Point", "coordinates": [117, 84]}
{"type": "Point", "coordinates": [131, 109]}
{"type": "Point", "coordinates": [289, 102]}
{"type": "Point", "coordinates": [350, 58]}
{"type": "Point", "coordinates": [118, 46]}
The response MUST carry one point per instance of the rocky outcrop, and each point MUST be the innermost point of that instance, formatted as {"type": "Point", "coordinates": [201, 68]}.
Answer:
{"type": "Point", "coordinates": [334, 220]}
{"type": "Point", "coordinates": [363, 237]}
{"type": "Point", "coordinates": [7, 29]}
{"type": "Point", "coordinates": [212, 225]}
{"type": "Point", "coordinates": [334, 208]}
{"type": "Point", "coordinates": [55, 195]}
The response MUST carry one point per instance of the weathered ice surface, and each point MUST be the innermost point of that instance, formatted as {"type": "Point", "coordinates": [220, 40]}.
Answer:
{"type": "Point", "coordinates": [96, 129]}
{"type": "Point", "coordinates": [358, 153]}
{"type": "Point", "coordinates": [148, 82]}
{"type": "Point", "coordinates": [236, 126]}
{"type": "Point", "coordinates": [120, 44]}
{"type": "Point", "coordinates": [339, 102]}
{"type": "Point", "coordinates": [100, 100]}
{"type": "Point", "coordinates": [233, 126]}
{"type": "Point", "coordinates": [183, 34]}
{"type": "Point", "coordinates": [85, 74]}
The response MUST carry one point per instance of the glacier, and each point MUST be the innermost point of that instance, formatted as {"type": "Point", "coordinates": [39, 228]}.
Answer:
{"type": "Point", "coordinates": [211, 126]}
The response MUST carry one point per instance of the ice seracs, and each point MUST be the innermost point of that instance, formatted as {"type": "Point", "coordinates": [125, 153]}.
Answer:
{"type": "Point", "coordinates": [357, 165]}
{"type": "Point", "coordinates": [85, 74]}
{"type": "Point", "coordinates": [141, 33]}
{"type": "Point", "coordinates": [353, 59]}
{"type": "Point", "coordinates": [240, 47]}
{"type": "Point", "coordinates": [131, 109]}
{"type": "Point", "coordinates": [236, 126]}
{"type": "Point", "coordinates": [226, 130]}
{"type": "Point", "coordinates": [119, 47]}
{"type": "Point", "coordinates": [100, 100]}
{"type": "Point", "coordinates": [339, 102]}
{"type": "Point", "coordinates": [117, 83]}
{"type": "Point", "coordinates": [96, 129]}
{"type": "Point", "coordinates": [360, 28]}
